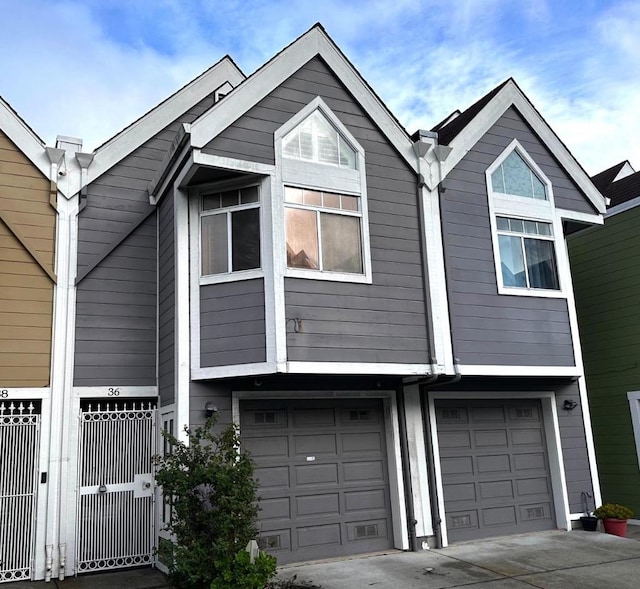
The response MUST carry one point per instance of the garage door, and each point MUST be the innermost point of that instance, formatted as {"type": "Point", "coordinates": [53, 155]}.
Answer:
{"type": "Point", "coordinates": [495, 468]}
{"type": "Point", "coordinates": [323, 477]}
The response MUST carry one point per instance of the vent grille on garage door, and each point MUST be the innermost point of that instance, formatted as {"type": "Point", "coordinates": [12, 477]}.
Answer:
{"type": "Point", "coordinates": [367, 531]}
{"type": "Point", "coordinates": [269, 542]}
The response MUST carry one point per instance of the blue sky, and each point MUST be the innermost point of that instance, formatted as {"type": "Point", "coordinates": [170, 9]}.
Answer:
{"type": "Point", "coordinates": [88, 68]}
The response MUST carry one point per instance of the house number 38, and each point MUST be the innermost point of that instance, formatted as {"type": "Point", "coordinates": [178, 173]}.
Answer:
{"type": "Point", "coordinates": [4, 393]}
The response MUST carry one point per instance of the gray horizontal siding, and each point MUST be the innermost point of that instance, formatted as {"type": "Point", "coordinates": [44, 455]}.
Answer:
{"type": "Point", "coordinates": [116, 316]}
{"type": "Point", "coordinates": [488, 328]}
{"type": "Point", "coordinates": [116, 312]}
{"type": "Point", "coordinates": [232, 325]}
{"type": "Point", "coordinates": [382, 322]}
{"type": "Point", "coordinates": [166, 301]}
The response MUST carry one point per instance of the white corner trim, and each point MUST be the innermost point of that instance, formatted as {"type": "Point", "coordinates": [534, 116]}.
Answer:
{"type": "Point", "coordinates": [621, 208]}
{"type": "Point", "coordinates": [634, 408]}
{"type": "Point", "coordinates": [509, 96]}
{"type": "Point", "coordinates": [194, 277]}
{"type": "Point", "coordinates": [396, 474]}
{"type": "Point", "coordinates": [162, 115]}
{"type": "Point", "coordinates": [182, 318]}
{"type": "Point", "coordinates": [501, 370]}
{"type": "Point", "coordinates": [282, 66]}
{"type": "Point", "coordinates": [24, 138]}
{"type": "Point", "coordinates": [418, 462]}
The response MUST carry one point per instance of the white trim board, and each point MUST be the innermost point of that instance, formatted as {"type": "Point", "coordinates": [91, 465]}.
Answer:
{"type": "Point", "coordinates": [634, 408]}
{"type": "Point", "coordinates": [623, 207]}
{"type": "Point", "coordinates": [553, 440]}
{"type": "Point", "coordinates": [502, 370]}
{"type": "Point", "coordinates": [9, 394]}
{"type": "Point", "coordinates": [116, 392]}
{"type": "Point", "coordinates": [314, 42]}
{"type": "Point", "coordinates": [510, 95]}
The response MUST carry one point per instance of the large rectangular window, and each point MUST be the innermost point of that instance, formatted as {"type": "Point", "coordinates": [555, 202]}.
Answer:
{"type": "Point", "coordinates": [230, 231]}
{"type": "Point", "coordinates": [527, 256]}
{"type": "Point", "coordinates": [323, 231]}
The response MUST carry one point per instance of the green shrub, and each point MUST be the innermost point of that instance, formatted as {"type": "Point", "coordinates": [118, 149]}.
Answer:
{"type": "Point", "coordinates": [614, 511]}
{"type": "Point", "coordinates": [210, 487]}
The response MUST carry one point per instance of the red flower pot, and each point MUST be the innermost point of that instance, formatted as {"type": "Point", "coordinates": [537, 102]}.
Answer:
{"type": "Point", "coordinates": [617, 527]}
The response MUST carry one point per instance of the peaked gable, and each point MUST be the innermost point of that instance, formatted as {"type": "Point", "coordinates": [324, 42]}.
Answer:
{"type": "Point", "coordinates": [463, 132]}
{"type": "Point", "coordinates": [314, 43]}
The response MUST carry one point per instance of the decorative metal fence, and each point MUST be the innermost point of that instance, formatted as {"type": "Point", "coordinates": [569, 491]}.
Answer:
{"type": "Point", "coordinates": [19, 449]}
{"type": "Point", "coordinates": [115, 497]}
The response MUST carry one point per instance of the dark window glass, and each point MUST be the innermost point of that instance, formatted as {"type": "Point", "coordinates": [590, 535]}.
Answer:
{"type": "Point", "coordinates": [245, 239]}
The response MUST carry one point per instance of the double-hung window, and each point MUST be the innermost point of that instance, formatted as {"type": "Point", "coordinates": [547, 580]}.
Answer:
{"type": "Point", "coordinates": [523, 224]}
{"type": "Point", "coordinates": [325, 205]}
{"type": "Point", "coordinates": [230, 230]}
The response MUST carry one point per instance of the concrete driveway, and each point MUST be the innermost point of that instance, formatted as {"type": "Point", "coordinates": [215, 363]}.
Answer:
{"type": "Point", "coordinates": [548, 560]}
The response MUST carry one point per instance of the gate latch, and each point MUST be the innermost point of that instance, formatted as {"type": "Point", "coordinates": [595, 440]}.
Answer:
{"type": "Point", "coordinates": [143, 485]}
{"type": "Point", "coordinates": [102, 488]}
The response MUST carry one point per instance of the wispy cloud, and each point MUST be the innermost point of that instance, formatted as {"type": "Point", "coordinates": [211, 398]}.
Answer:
{"type": "Point", "coordinates": [90, 67]}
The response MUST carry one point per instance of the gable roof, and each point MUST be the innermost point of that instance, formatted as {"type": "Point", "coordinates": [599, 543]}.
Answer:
{"type": "Point", "coordinates": [24, 137]}
{"type": "Point", "coordinates": [464, 131]}
{"type": "Point", "coordinates": [603, 179]}
{"type": "Point", "coordinates": [624, 190]}
{"type": "Point", "coordinates": [315, 42]}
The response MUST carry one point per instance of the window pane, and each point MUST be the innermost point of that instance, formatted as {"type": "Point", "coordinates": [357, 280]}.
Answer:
{"type": "Point", "coordinates": [497, 181]}
{"type": "Point", "coordinates": [511, 261]}
{"type": "Point", "coordinates": [291, 144]}
{"type": "Point", "coordinates": [331, 200]}
{"type": "Point", "coordinates": [516, 225]}
{"type": "Point", "coordinates": [293, 194]}
{"type": "Point", "coordinates": [503, 223]}
{"type": "Point", "coordinates": [245, 239]}
{"type": "Point", "coordinates": [214, 244]}
{"type": "Point", "coordinates": [249, 195]}
{"type": "Point", "coordinates": [538, 188]}
{"type": "Point", "coordinates": [541, 264]}
{"type": "Point", "coordinates": [341, 243]}
{"type": "Point", "coordinates": [530, 228]}
{"type": "Point", "coordinates": [517, 176]}
{"type": "Point", "coordinates": [311, 197]}
{"type": "Point", "coordinates": [347, 154]}
{"type": "Point", "coordinates": [350, 203]}
{"type": "Point", "coordinates": [230, 198]}
{"type": "Point", "coordinates": [210, 202]}
{"type": "Point", "coordinates": [302, 238]}
{"type": "Point", "coordinates": [544, 228]}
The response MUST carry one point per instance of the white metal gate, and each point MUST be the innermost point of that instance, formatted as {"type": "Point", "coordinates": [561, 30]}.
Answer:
{"type": "Point", "coordinates": [19, 449]}
{"type": "Point", "coordinates": [115, 525]}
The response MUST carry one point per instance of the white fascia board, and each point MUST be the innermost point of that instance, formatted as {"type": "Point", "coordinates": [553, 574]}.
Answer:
{"type": "Point", "coordinates": [228, 163]}
{"type": "Point", "coordinates": [494, 370]}
{"type": "Point", "coordinates": [358, 368]}
{"type": "Point", "coordinates": [255, 369]}
{"type": "Point", "coordinates": [623, 207]}
{"type": "Point", "coordinates": [153, 122]}
{"type": "Point", "coordinates": [282, 66]}
{"type": "Point", "coordinates": [509, 96]}
{"type": "Point", "coordinates": [24, 138]}
{"type": "Point", "coordinates": [581, 217]}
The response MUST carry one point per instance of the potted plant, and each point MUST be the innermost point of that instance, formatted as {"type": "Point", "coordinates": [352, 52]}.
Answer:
{"type": "Point", "coordinates": [614, 517]}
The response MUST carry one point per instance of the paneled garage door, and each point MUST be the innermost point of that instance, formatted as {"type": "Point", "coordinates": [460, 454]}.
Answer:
{"type": "Point", "coordinates": [323, 477]}
{"type": "Point", "coordinates": [495, 468]}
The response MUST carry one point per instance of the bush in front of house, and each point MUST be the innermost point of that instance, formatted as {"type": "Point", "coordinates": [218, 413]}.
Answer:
{"type": "Point", "coordinates": [209, 484]}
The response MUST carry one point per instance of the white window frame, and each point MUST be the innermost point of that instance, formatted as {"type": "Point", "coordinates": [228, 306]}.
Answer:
{"type": "Point", "coordinates": [527, 209]}
{"type": "Point", "coordinates": [326, 177]}
{"type": "Point", "coordinates": [634, 408]}
{"type": "Point", "coordinates": [195, 196]}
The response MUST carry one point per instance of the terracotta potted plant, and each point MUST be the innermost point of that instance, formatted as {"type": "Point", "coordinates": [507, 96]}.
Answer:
{"type": "Point", "coordinates": [614, 517]}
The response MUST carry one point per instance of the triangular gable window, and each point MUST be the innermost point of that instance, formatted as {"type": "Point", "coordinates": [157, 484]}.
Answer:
{"type": "Point", "coordinates": [316, 140]}
{"type": "Point", "coordinates": [515, 177]}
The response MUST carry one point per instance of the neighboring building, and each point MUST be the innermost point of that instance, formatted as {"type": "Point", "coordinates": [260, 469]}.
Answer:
{"type": "Point", "coordinates": [607, 284]}
{"type": "Point", "coordinates": [390, 319]}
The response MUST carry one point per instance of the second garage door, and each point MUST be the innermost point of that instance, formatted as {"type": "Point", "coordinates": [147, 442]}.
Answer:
{"type": "Point", "coordinates": [323, 477]}
{"type": "Point", "coordinates": [495, 468]}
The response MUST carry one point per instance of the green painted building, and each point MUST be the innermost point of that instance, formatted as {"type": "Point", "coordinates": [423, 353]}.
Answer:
{"type": "Point", "coordinates": [605, 262]}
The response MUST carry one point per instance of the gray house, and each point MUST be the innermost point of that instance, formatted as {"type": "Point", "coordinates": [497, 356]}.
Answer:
{"type": "Point", "coordinates": [389, 318]}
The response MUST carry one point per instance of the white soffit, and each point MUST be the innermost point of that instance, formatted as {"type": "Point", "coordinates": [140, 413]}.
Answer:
{"type": "Point", "coordinates": [24, 138]}
{"type": "Point", "coordinates": [510, 95]}
{"type": "Point", "coordinates": [282, 66]}
{"type": "Point", "coordinates": [163, 115]}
